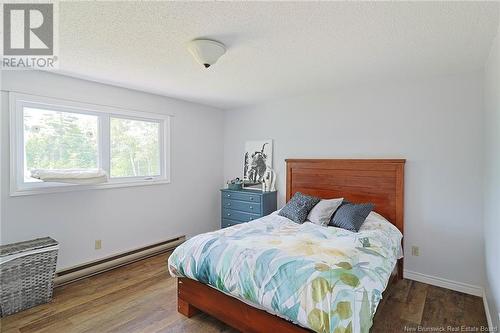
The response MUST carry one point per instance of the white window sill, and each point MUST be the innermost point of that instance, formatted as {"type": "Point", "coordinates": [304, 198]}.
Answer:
{"type": "Point", "coordinates": [15, 192]}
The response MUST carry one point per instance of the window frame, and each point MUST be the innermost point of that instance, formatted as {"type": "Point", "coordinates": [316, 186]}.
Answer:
{"type": "Point", "coordinates": [18, 101]}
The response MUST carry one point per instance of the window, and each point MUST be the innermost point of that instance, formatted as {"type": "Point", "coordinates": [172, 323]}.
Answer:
{"type": "Point", "coordinates": [131, 146]}
{"type": "Point", "coordinates": [59, 140]}
{"type": "Point", "coordinates": [135, 149]}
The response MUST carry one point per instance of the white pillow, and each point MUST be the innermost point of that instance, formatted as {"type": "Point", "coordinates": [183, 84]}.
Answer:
{"type": "Point", "coordinates": [323, 211]}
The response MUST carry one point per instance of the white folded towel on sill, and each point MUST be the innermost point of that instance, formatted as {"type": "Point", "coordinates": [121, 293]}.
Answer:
{"type": "Point", "coordinates": [72, 176]}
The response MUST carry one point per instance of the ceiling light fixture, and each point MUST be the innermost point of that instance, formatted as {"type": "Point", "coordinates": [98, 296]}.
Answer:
{"type": "Point", "coordinates": [205, 51]}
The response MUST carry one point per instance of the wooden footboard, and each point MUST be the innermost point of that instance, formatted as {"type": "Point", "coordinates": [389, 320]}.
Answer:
{"type": "Point", "coordinates": [194, 296]}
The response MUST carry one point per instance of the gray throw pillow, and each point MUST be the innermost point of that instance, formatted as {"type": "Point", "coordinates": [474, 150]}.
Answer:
{"type": "Point", "coordinates": [322, 213]}
{"type": "Point", "coordinates": [351, 216]}
{"type": "Point", "coordinates": [299, 207]}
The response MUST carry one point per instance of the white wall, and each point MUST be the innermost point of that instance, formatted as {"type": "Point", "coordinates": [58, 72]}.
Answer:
{"type": "Point", "coordinates": [436, 124]}
{"type": "Point", "coordinates": [492, 180]}
{"type": "Point", "coordinates": [124, 218]}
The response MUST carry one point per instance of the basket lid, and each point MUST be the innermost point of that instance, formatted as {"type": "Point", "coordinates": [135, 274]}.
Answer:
{"type": "Point", "coordinates": [9, 249]}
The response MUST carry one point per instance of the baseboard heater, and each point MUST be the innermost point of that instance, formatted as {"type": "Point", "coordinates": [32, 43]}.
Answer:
{"type": "Point", "coordinates": [75, 273]}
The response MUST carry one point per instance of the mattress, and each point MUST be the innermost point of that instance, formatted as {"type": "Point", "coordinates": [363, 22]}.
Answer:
{"type": "Point", "coordinates": [322, 278]}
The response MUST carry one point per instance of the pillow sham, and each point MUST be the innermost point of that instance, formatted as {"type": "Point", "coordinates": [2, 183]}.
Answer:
{"type": "Point", "coordinates": [351, 216]}
{"type": "Point", "coordinates": [299, 207]}
{"type": "Point", "coordinates": [322, 213]}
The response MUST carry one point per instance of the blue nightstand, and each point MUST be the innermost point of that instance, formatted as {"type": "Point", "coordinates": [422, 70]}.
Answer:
{"type": "Point", "coordinates": [239, 206]}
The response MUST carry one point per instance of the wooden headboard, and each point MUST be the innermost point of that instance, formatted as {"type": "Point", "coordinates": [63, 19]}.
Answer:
{"type": "Point", "coordinates": [379, 181]}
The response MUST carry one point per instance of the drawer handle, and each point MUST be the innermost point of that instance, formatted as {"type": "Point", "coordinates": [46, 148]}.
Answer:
{"type": "Point", "coordinates": [229, 195]}
{"type": "Point", "coordinates": [251, 207]}
{"type": "Point", "coordinates": [228, 214]}
{"type": "Point", "coordinates": [251, 198]}
{"type": "Point", "coordinates": [229, 204]}
{"type": "Point", "coordinates": [250, 219]}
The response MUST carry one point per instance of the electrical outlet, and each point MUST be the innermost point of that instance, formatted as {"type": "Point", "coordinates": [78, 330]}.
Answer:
{"type": "Point", "coordinates": [98, 244]}
{"type": "Point", "coordinates": [415, 251]}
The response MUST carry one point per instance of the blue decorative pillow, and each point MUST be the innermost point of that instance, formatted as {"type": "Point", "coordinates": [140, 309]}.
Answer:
{"type": "Point", "coordinates": [351, 216]}
{"type": "Point", "coordinates": [299, 207]}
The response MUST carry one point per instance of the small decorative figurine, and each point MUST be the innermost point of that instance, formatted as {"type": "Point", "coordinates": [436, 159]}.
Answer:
{"type": "Point", "coordinates": [235, 184]}
{"type": "Point", "coordinates": [269, 180]}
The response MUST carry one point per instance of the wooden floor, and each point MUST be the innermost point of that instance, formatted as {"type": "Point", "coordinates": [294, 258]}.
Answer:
{"type": "Point", "coordinates": [141, 297]}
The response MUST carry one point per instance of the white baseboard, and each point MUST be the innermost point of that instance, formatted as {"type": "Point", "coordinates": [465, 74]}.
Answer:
{"type": "Point", "coordinates": [488, 313]}
{"type": "Point", "coordinates": [444, 283]}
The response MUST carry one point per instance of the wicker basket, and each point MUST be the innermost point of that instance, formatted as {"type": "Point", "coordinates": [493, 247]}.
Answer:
{"type": "Point", "coordinates": [27, 270]}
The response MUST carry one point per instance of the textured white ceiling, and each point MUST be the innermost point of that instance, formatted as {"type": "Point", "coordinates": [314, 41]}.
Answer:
{"type": "Point", "coordinates": [275, 49]}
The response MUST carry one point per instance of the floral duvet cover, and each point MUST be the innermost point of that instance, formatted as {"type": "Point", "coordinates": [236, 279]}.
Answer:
{"type": "Point", "coordinates": [323, 278]}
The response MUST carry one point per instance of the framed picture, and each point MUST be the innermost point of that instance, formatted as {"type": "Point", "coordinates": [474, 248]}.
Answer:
{"type": "Point", "coordinates": [258, 157]}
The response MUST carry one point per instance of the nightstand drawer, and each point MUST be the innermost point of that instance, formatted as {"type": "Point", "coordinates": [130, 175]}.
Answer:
{"type": "Point", "coordinates": [241, 196]}
{"type": "Point", "coordinates": [238, 216]}
{"type": "Point", "coordinates": [250, 207]}
{"type": "Point", "coordinates": [229, 223]}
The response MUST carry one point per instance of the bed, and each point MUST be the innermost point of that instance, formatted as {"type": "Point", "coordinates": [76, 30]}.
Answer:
{"type": "Point", "coordinates": [273, 275]}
